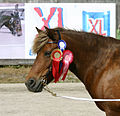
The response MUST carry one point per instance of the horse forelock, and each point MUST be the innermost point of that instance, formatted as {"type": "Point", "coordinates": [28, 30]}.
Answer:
{"type": "Point", "coordinates": [40, 40]}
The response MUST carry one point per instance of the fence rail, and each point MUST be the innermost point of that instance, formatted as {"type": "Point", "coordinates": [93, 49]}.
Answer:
{"type": "Point", "coordinates": [61, 1]}
{"type": "Point", "coordinates": [16, 61]}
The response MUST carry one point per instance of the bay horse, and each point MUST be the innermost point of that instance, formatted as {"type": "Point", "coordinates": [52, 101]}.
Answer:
{"type": "Point", "coordinates": [11, 20]}
{"type": "Point", "coordinates": [96, 63]}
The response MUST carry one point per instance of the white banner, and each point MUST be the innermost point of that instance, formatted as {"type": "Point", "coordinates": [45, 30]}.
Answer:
{"type": "Point", "coordinates": [99, 18]}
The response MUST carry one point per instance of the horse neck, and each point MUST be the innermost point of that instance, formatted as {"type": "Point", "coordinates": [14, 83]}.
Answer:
{"type": "Point", "coordinates": [84, 53]}
{"type": "Point", "coordinates": [2, 23]}
{"type": "Point", "coordinates": [4, 20]}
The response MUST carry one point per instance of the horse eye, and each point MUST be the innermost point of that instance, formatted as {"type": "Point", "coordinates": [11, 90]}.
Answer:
{"type": "Point", "coordinates": [48, 53]}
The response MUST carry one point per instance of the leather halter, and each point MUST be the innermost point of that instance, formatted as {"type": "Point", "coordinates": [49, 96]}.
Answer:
{"type": "Point", "coordinates": [58, 34]}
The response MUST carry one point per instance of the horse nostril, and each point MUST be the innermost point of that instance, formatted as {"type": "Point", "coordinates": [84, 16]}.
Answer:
{"type": "Point", "coordinates": [34, 85]}
{"type": "Point", "coordinates": [19, 34]}
{"type": "Point", "coordinates": [31, 82]}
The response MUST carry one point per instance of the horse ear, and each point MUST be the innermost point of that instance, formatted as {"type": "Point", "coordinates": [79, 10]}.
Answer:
{"type": "Point", "coordinates": [38, 30]}
{"type": "Point", "coordinates": [16, 7]}
{"type": "Point", "coordinates": [47, 29]}
{"type": "Point", "coordinates": [50, 33]}
{"type": "Point", "coordinates": [16, 11]}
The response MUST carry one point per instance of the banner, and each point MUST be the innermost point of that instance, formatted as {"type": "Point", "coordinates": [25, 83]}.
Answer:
{"type": "Point", "coordinates": [99, 18]}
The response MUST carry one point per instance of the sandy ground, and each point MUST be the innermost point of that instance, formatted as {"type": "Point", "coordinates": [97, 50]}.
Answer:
{"type": "Point", "coordinates": [16, 100]}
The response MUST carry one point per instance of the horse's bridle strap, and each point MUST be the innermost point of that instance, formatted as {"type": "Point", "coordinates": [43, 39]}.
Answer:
{"type": "Point", "coordinates": [52, 42]}
{"type": "Point", "coordinates": [58, 32]}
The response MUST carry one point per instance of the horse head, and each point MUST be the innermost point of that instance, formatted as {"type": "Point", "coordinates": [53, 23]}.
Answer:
{"type": "Point", "coordinates": [41, 74]}
{"type": "Point", "coordinates": [14, 22]}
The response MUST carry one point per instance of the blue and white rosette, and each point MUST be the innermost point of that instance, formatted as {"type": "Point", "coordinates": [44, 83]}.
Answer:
{"type": "Point", "coordinates": [62, 45]}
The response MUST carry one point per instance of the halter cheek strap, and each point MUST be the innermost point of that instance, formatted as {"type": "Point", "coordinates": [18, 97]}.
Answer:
{"type": "Point", "coordinates": [51, 42]}
{"type": "Point", "coordinates": [58, 34]}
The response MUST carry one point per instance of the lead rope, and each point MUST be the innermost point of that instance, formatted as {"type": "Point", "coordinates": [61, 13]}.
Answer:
{"type": "Point", "coordinates": [48, 90]}
{"type": "Point", "coordinates": [75, 98]}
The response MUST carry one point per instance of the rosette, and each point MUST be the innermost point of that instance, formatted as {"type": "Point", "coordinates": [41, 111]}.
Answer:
{"type": "Point", "coordinates": [56, 57]}
{"type": "Point", "coordinates": [67, 60]}
{"type": "Point", "coordinates": [62, 45]}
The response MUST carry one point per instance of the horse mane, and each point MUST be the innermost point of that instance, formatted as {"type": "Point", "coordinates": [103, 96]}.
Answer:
{"type": "Point", "coordinates": [40, 40]}
{"type": "Point", "coordinates": [91, 37]}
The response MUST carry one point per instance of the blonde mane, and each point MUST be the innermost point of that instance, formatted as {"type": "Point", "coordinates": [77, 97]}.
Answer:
{"type": "Point", "coordinates": [40, 40]}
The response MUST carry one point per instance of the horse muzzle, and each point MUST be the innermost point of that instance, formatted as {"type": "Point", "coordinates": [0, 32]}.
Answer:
{"type": "Point", "coordinates": [19, 33]}
{"type": "Point", "coordinates": [35, 85]}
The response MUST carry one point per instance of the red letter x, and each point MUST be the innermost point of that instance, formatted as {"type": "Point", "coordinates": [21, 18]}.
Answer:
{"type": "Point", "coordinates": [46, 21]}
{"type": "Point", "coordinates": [93, 29]}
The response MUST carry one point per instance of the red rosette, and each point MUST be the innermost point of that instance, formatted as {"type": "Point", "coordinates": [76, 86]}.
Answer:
{"type": "Point", "coordinates": [68, 56]}
{"type": "Point", "coordinates": [56, 56]}
{"type": "Point", "coordinates": [67, 60]}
